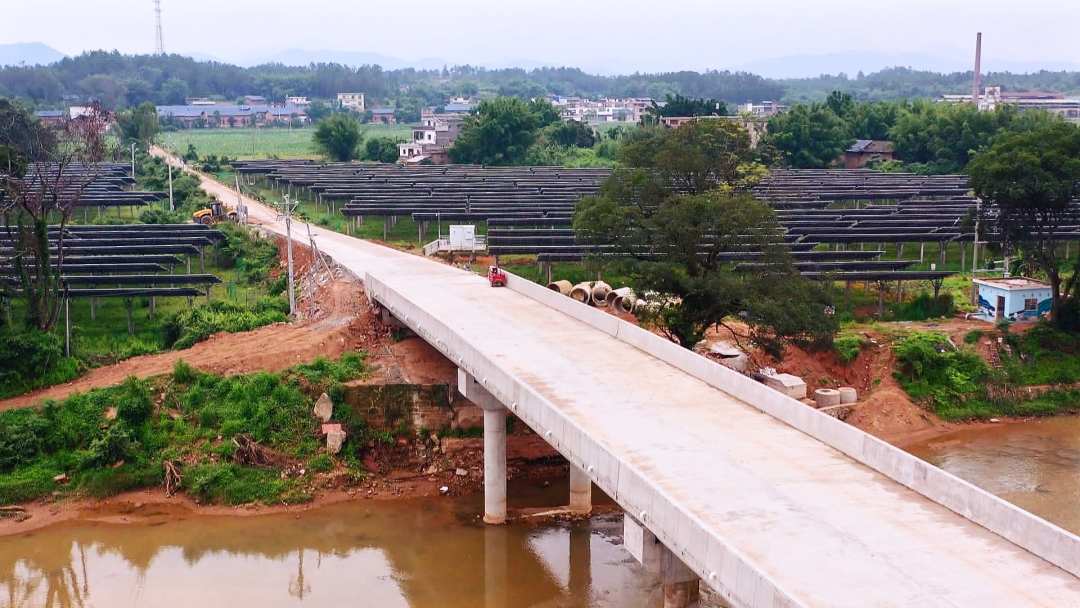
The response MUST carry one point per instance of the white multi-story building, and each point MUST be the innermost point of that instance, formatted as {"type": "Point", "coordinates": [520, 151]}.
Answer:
{"type": "Point", "coordinates": [353, 101]}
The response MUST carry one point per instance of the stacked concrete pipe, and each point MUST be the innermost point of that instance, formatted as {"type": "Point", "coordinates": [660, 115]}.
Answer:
{"type": "Point", "coordinates": [562, 287]}
{"type": "Point", "coordinates": [600, 290]}
{"type": "Point", "coordinates": [582, 292]}
{"type": "Point", "coordinates": [615, 296]}
{"type": "Point", "coordinates": [824, 397]}
{"type": "Point", "coordinates": [848, 395]}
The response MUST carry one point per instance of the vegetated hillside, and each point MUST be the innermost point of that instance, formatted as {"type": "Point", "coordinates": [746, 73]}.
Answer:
{"type": "Point", "coordinates": [28, 53]}
{"type": "Point", "coordinates": [121, 81]}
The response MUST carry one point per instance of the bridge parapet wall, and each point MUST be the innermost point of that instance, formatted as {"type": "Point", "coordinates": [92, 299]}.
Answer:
{"type": "Point", "coordinates": [1052, 543]}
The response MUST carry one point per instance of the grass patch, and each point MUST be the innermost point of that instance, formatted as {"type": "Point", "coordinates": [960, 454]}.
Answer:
{"type": "Point", "coordinates": [186, 328]}
{"type": "Point", "coordinates": [264, 142]}
{"type": "Point", "coordinates": [847, 347]}
{"type": "Point", "coordinates": [104, 457]}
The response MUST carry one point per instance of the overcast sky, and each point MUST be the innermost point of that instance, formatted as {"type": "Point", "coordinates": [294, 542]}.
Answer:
{"type": "Point", "coordinates": [631, 34]}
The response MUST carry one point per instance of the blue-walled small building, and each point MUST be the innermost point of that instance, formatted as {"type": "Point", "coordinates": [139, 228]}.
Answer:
{"type": "Point", "coordinates": [1014, 298]}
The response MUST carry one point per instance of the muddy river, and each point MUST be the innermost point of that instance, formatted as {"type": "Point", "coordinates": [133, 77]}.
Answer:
{"type": "Point", "coordinates": [1034, 465]}
{"type": "Point", "coordinates": [367, 553]}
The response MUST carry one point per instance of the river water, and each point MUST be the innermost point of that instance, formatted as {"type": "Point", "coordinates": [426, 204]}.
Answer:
{"type": "Point", "coordinates": [367, 553]}
{"type": "Point", "coordinates": [1034, 465]}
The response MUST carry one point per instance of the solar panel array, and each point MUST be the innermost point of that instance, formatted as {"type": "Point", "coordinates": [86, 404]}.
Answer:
{"type": "Point", "coordinates": [98, 185]}
{"type": "Point", "coordinates": [123, 260]}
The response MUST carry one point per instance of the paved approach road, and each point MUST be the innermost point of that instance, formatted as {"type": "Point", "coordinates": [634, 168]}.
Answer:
{"type": "Point", "coordinates": [826, 529]}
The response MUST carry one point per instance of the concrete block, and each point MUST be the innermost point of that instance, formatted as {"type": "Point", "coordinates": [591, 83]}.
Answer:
{"type": "Point", "coordinates": [840, 412]}
{"type": "Point", "coordinates": [334, 441]}
{"type": "Point", "coordinates": [824, 397]}
{"type": "Point", "coordinates": [848, 395]}
{"type": "Point", "coordinates": [792, 386]}
{"type": "Point", "coordinates": [324, 408]}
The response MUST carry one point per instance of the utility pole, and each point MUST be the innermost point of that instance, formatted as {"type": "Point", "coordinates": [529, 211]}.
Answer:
{"type": "Point", "coordinates": [133, 145]}
{"type": "Point", "coordinates": [286, 213]}
{"type": "Point", "coordinates": [241, 208]}
{"type": "Point", "coordinates": [172, 207]}
{"type": "Point", "coordinates": [975, 254]}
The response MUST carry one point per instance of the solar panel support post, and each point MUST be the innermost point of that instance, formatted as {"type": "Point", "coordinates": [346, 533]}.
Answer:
{"type": "Point", "coordinates": [153, 303]}
{"type": "Point", "coordinates": [131, 322]}
{"type": "Point", "coordinates": [922, 252]}
{"type": "Point", "coordinates": [67, 325]}
{"type": "Point", "coordinates": [171, 206]}
{"type": "Point", "coordinates": [93, 307]}
{"type": "Point", "coordinates": [881, 299]}
{"type": "Point", "coordinates": [202, 260]}
{"type": "Point", "coordinates": [963, 256]}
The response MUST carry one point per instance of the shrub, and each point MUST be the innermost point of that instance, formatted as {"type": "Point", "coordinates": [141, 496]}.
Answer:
{"type": "Point", "coordinates": [113, 446]}
{"type": "Point", "coordinates": [184, 373]}
{"type": "Point", "coordinates": [134, 405]}
{"type": "Point", "coordinates": [108, 481]}
{"type": "Point", "coordinates": [22, 436]}
{"type": "Point", "coordinates": [925, 307]}
{"type": "Point", "coordinates": [973, 336]}
{"type": "Point", "coordinates": [321, 463]}
{"type": "Point", "coordinates": [186, 328]}
{"type": "Point", "coordinates": [30, 359]}
{"type": "Point", "coordinates": [931, 371]}
{"type": "Point", "coordinates": [134, 347]}
{"type": "Point", "coordinates": [237, 485]}
{"type": "Point", "coordinates": [847, 347]}
{"type": "Point", "coordinates": [27, 483]}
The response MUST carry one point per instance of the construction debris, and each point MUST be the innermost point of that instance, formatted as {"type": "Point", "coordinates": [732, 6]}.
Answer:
{"type": "Point", "coordinates": [324, 408]}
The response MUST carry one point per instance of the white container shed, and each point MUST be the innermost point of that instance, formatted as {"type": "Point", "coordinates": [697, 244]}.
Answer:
{"type": "Point", "coordinates": [1015, 298]}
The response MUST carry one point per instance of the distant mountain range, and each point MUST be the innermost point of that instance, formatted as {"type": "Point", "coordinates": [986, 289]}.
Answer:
{"type": "Point", "coordinates": [794, 66]}
{"type": "Point", "coordinates": [29, 53]}
{"type": "Point", "coordinates": [852, 62]}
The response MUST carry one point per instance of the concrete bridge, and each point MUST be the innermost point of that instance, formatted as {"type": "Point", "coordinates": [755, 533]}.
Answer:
{"type": "Point", "coordinates": [724, 481]}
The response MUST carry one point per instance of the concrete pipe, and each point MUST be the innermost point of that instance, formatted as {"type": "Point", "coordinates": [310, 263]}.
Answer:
{"type": "Point", "coordinates": [625, 303]}
{"type": "Point", "coordinates": [848, 395]}
{"type": "Point", "coordinates": [562, 287]}
{"type": "Point", "coordinates": [824, 397]}
{"type": "Point", "coordinates": [617, 294]}
{"type": "Point", "coordinates": [582, 292]}
{"type": "Point", "coordinates": [600, 290]}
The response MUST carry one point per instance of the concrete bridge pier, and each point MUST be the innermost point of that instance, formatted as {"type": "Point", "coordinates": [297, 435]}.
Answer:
{"type": "Point", "coordinates": [580, 490]}
{"type": "Point", "coordinates": [495, 568]}
{"type": "Point", "coordinates": [681, 585]}
{"type": "Point", "coordinates": [494, 446]}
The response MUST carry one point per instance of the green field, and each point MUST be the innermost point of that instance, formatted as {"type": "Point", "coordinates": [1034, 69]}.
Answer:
{"type": "Point", "coordinates": [262, 143]}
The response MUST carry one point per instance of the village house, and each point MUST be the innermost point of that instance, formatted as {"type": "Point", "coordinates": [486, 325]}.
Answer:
{"type": "Point", "coordinates": [254, 100]}
{"type": "Point", "coordinates": [1015, 298]}
{"type": "Point", "coordinates": [865, 150]}
{"type": "Point", "coordinates": [384, 115]}
{"type": "Point", "coordinates": [431, 138]}
{"type": "Point", "coordinates": [353, 101]}
{"type": "Point", "coordinates": [297, 100]}
{"type": "Point", "coordinates": [51, 118]}
{"type": "Point", "coordinates": [228, 115]}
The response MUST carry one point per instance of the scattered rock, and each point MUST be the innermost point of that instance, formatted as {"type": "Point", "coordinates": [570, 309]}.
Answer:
{"type": "Point", "coordinates": [324, 408]}
{"type": "Point", "coordinates": [444, 490]}
{"type": "Point", "coordinates": [994, 420]}
{"type": "Point", "coordinates": [461, 473]}
{"type": "Point", "coordinates": [110, 413]}
{"type": "Point", "coordinates": [431, 470]}
{"type": "Point", "coordinates": [334, 441]}
{"type": "Point", "coordinates": [61, 478]}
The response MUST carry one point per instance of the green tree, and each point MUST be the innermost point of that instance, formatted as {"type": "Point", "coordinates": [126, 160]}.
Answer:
{"type": "Point", "coordinates": [809, 136]}
{"type": "Point", "coordinates": [570, 133]}
{"type": "Point", "coordinates": [174, 91]}
{"type": "Point", "coordinates": [1032, 179]}
{"type": "Point", "coordinates": [500, 133]}
{"type": "Point", "coordinates": [674, 213]}
{"type": "Point", "coordinates": [139, 125]}
{"type": "Point", "coordinates": [338, 137]}
{"type": "Point", "coordinates": [381, 149]}
{"type": "Point", "coordinates": [318, 110]}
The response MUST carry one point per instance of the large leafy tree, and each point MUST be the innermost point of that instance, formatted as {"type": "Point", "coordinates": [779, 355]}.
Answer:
{"type": "Point", "coordinates": [499, 133]}
{"type": "Point", "coordinates": [677, 105]}
{"type": "Point", "coordinates": [1032, 181]}
{"type": "Point", "coordinates": [139, 126]}
{"type": "Point", "coordinates": [809, 136]}
{"type": "Point", "coordinates": [672, 217]}
{"type": "Point", "coordinates": [338, 137]}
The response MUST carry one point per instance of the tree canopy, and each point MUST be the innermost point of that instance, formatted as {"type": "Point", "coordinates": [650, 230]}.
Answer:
{"type": "Point", "coordinates": [811, 136]}
{"type": "Point", "coordinates": [1033, 181]}
{"type": "Point", "coordinates": [338, 137]}
{"type": "Point", "coordinates": [672, 212]}
{"type": "Point", "coordinates": [139, 126]}
{"type": "Point", "coordinates": [500, 132]}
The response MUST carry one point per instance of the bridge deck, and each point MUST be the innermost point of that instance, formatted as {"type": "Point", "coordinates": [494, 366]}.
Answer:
{"type": "Point", "coordinates": [824, 528]}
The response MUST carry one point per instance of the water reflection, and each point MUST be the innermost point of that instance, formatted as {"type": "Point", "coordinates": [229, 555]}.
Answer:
{"type": "Point", "coordinates": [1034, 465]}
{"type": "Point", "coordinates": [367, 554]}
